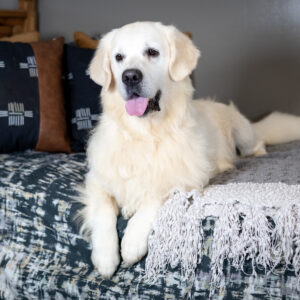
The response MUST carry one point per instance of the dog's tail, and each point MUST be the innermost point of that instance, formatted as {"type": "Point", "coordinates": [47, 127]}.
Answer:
{"type": "Point", "coordinates": [278, 128]}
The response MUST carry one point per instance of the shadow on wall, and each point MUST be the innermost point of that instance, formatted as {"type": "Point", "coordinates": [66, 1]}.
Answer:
{"type": "Point", "coordinates": [270, 81]}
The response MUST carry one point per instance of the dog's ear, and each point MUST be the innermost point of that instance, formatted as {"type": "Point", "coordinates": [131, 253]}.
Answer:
{"type": "Point", "coordinates": [100, 67]}
{"type": "Point", "coordinates": [183, 54]}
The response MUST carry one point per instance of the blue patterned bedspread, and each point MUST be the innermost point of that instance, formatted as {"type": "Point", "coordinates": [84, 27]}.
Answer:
{"type": "Point", "coordinates": [42, 255]}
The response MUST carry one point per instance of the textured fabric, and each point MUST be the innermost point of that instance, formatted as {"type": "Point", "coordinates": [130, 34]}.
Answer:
{"type": "Point", "coordinates": [19, 98]}
{"type": "Point", "coordinates": [43, 257]}
{"type": "Point", "coordinates": [32, 113]}
{"type": "Point", "coordinates": [255, 221]}
{"type": "Point", "coordinates": [280, 165]}
{"type": "Point", "coordinates": [82, 96]}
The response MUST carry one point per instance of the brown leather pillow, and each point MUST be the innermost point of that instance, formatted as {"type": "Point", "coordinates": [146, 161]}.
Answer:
{"type": "Point", "coordinates": [83, 40]}
{"type": "Point", "coordinates": [32, 109]}
{"type": "Point", "coordinates": [53, 129]}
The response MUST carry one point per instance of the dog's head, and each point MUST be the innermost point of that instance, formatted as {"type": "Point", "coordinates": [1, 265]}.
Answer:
{"type": "Point", "coordinates": [140, 61]}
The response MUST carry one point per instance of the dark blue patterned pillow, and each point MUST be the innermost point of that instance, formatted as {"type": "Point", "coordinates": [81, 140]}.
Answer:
{"type": "Point", "coordinates": [83, 96]}
{"type": "Point", "coordinates": [19, 97]}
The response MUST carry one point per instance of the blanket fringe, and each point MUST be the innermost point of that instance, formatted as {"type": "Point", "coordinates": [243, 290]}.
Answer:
{"type": "Point", "coordinates": [259, 223]}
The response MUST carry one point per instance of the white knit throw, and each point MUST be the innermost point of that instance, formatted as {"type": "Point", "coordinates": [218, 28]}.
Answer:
{"type": "Point", "coordinates": [242, 231]}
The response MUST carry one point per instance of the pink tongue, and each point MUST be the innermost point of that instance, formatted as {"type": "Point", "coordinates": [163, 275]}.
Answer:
{"type": "Point", "coordinates": [136, 106]}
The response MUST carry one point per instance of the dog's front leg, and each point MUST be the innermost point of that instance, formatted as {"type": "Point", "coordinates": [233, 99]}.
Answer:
{"type": "Point", "coordinates": [135, 241]}
{"type": "Point", "coordinates": [101, 217]}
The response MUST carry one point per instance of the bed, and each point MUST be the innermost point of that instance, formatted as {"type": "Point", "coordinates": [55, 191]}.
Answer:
{"type": "Point", "coordinates": [42, 255]}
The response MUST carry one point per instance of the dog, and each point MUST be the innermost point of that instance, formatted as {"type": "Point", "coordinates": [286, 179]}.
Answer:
{"type": "Point", "coordinates": [153, 137]}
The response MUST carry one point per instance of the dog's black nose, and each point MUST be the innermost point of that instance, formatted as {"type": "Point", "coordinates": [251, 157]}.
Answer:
{"type": "Point", "coordinates": [132, 77]}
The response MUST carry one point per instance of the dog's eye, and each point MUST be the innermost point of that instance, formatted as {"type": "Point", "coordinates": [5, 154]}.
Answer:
{"type": "Point", "coordinates": [119, 57]}
{"type": "Point", "coordinates": [152, 52]}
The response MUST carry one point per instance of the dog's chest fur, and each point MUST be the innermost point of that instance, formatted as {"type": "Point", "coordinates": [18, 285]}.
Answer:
{"type": "Point", "coordinates": [135, 168]}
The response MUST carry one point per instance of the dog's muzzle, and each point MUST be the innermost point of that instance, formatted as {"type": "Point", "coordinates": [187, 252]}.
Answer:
{"type": "Point", "coordinates": [137, 104]}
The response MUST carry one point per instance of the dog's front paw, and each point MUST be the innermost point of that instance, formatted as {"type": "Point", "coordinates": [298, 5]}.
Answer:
{"type": "Point", "coordinates": [106, 263]}
{"type": "Point", "coordinates": [133, 250]}
{"type": "Point", "coordinates": [134, 247]}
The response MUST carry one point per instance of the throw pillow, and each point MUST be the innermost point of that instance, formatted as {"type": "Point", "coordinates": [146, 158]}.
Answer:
{"type": "Point", "coordinates": [82, 94]}
{"type": "Point", "coordinates": [32, 113]}
{"type": "Point", "coordinates": [83, 40]}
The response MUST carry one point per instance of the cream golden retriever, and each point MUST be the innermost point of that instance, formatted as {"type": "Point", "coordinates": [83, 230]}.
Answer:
{"type": "Point", "coordinates": [153, 138]}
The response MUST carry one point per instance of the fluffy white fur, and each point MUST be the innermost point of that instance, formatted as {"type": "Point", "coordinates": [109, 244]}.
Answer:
{"type": "Point", "coordinates": [135, 162]}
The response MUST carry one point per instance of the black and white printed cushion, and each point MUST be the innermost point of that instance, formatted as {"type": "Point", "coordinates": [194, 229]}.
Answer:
{"type": "Point", "coordinates": [19, 94]}
{"type": "Point", "coordinates": [32, 113]}
{"type": "Point", "coordinates": [83, 96]}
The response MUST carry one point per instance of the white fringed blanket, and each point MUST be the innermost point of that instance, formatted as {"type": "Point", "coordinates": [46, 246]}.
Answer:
{"type": "Point", "coordinates": [256, 221]}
